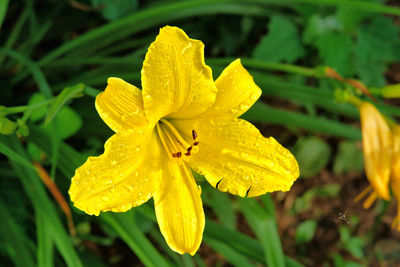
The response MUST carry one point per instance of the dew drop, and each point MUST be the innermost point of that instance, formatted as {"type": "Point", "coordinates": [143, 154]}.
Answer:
{"type": "Point", "coordinates": [104, 198]}
{"type": "Point", "coordinates": [137, 148]}
{"type": "Point", "coordinates": [135, 111]}
{"type": "Point", "coordinates": [244, 155]}
{"type": "Point", "coordinates": [112, 190]}
{"type": "Point", "coordinates": [244, 107]}
{"type": "Point", "coordinates": [234, 110]}
{"type": "Point", "coordinates": [114, 162]}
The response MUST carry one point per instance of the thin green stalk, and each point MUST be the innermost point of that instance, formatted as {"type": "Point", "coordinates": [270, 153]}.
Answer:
{"type": "Point", "coordinates": [33, 68]}
{"type": "Point", "coordinates": [145, 19]}
{"type": "Point", "coordinates": [356, 5]}
{"type": "Point", "coordinates": [21, 109]}
{"type": "Point", "coordinates": [15, 33]}
{"type": "Point", "coordinates": [267, 65]}
{"type": "Point", "coordinates": [3, 10]}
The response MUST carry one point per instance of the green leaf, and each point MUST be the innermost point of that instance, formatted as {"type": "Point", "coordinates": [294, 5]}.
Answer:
{"type": "Point", "coordinates": [126, 228]}
{"type": "Point", "coordinates": [231, 255]}
{"type": "Point", "coordinates": [312, 154]}
{"type": "Point", "coordinates": [45, 251]}
{"type": "Point", "coordinates": [377, 45]}
{"type": "Point", "coordinates": [35, 189]}
{"type": "Point", "coordinates": [318, 26]}
{"type": "Point", "coordinates": [115, 9]}
{"type": "Point", "coordinates": [7, 126]}
{"type": "Point", "coordinates": [221, 206]}
{"type": "Point", "coordinates": [37, 113]}
{"type": "Point", "coordinates": [66, 94]}
{"type": "Point", "coordinates": [355, 247]}
{"type": "Point", "coordinates": [282, 43]}
{"type": "Point", "coordinates": [260, 112]}
{"type": "Point", "coordinates": [305, 231]}
{"type": "Point", "coordinates": [66, 123]}
{"type": "Point", "coordinates": [348, 158]}
{"type": "Point", "coordinates": [3, 10]}
{"type": "Point", "coordinates": [263, 223]}
{"type": "Point", "coordinates": [334, 50]}
{"type": "Point", "coordinates": [13, 238]}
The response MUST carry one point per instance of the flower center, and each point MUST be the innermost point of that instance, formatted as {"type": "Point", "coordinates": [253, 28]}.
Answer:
{"type": "Point", "coordinates": [174, 144]}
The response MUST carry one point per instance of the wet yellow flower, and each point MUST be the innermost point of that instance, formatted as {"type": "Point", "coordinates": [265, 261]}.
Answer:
{"type": "Point", "coordinates": [395, 176]}
{"type": "Point", "coordinates": [180, 121]}
{"type": "Point", "coordinates": [377, 145]}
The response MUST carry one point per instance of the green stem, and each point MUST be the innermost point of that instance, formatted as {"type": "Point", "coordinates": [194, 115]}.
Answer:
{"type": "Point", "coordinates": [354, 100]}
{"type": "Point", "coordinates": [20, 109]}
{"type": "Point", "coordinates": [267, 65]}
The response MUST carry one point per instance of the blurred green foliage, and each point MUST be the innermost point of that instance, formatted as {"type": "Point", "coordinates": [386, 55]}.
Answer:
{"type": "Point", "coordinates": [55, 57]}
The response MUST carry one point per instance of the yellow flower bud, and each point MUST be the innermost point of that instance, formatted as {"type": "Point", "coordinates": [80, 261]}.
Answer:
{"type": "Point", "coordinates": [377, 148]}
{"type": "Point", "coordinates": [395, 177]}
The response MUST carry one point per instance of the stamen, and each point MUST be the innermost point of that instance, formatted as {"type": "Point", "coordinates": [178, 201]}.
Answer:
{"type": "Point", "coordinates": [177, 155]}
{"type": "Point", "coordinates": [194, 135]}
{"type": "Point", "coordinates": [171, 141]}
{"type": "Point", "coordinates": [161, 135]}
{"type": "Point", "coordinates": [363, 193]}
{"type": "Point", "coordinates": [175, 133]}
{"type": "Point", "coordinates": [370, 200]}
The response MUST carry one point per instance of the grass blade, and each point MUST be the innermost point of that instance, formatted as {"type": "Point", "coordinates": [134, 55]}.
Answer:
{"type": "Point", "coordinates": [126, 228]}
{"type": "Point", "coordinates": [261, 112]}
{"type": "Point", "coordinates": [66, 94]}
{"type": "Point", "coordinates": [40, 200]}
{"type": "Point", "coordinates": [3, 10]}
{"type": "Point", "coordinates": [228, 252]}
{"type": "Point", "coordinates": [264, 226]}
{"type": "Point", "coordinates": [13, 237]}
{"type": "Point", "coordinates": [45, 249]}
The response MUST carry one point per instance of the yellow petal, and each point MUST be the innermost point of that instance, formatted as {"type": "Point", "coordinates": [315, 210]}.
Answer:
{"type": "Point", "coordinates": [395, 177]}
{"type": "Point", "coordinates": [121, 105]}
{"type": "Point", "coordinates": [396, 158]}
{"type": "Point", "coordinates": [237, 92]}
{"type": "Point", "coordinates": [179, 209]}
{"type": "Point", "coordinates": [175, 80]}
{"type": "Point", "coordinates": [234, 156]}
{"type": "Point", "coordinates": [377, 146]}
{"type": "Point", "coordinates": [123, 177]}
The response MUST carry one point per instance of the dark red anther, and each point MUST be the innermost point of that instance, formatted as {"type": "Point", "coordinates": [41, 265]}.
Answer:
{"type": "Point", "coordinates": [177, 155]}
{"type": "Point", "coordinates": [196, 143]}
{"type": "Point", "coordinates": [194, 134]}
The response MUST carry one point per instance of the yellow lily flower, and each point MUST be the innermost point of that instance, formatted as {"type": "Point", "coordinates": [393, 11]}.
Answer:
{"type": "Point", "coordinates": [377, 143]}
{"type": "Point", "coordinates": [180, 121]}
{"type": "Point", "coordinates": [395, 177]}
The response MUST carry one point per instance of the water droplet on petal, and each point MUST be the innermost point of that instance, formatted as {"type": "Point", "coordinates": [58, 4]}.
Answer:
{"type": "Point", "coordinates": [234, 110]}
{"type": "Point", "coordinates": [114, 162]}
{"type": "Point", "coordinates": [104, 198]}
{"type": "Point", "coordinates": [137, 148]}
{"type": "Point", "coordinates": [112, 190]}
{"type": "Point", "coordinates": [244, 107]}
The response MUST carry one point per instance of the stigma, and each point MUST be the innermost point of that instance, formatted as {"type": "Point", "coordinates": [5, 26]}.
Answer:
{"type": "Point", "coordinates": [176, 147]}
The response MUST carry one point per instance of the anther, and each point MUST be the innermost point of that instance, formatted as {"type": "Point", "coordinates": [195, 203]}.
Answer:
{"type": "Point", "coordinates": [194, 134]}
{"type": "Point", "coordinates": [177, 155]}
{"type": "Point", "coordinates": [196, 143]}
